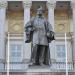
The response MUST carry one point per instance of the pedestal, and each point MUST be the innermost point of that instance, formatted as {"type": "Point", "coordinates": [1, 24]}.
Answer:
{"type": "Point", "coordinates": [38, 70]}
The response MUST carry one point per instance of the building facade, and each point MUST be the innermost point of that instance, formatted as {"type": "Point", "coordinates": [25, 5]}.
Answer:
{"type": "Point", "coordinates": [13, 17]}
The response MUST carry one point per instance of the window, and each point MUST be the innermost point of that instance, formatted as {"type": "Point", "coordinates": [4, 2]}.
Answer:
{"type": "Point", "coordinates": [60, 49]}
{"type": "Point", "coordinates": [15, 52]}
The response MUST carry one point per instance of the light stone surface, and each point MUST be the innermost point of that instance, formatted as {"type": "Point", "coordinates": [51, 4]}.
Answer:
{"type": "Point", "coordinates": [27, 46]}
{"type": "Point", "coordinates": [2, 30]}
{"type": "Point", "coordinates": [73, 11]}
{"type": "Point", "coordinates": [51, 7]}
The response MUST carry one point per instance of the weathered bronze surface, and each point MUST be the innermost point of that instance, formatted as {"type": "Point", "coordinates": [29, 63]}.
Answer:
{"type": "Point", "coordinates": [40, 33]}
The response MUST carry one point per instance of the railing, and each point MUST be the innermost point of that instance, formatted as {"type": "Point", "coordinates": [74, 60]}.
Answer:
{"type": "Point", "coordinates": [62, 66]}
{"type": "Point", "coordinates": [13, 66]}
{"type": "Point", "coordinates": [22, 66]}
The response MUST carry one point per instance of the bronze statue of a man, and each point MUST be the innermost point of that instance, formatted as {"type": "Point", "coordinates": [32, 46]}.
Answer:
{"type": "Point", "coordinates": [40, 33]}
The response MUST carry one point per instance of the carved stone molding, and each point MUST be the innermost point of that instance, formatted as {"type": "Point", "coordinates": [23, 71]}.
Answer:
{"type": "Point", "coordinates": [27, 4]}
{"type": "Point", "coordinates": [3, 4]}
{"type": "Point", "coordinates": [51, 5]}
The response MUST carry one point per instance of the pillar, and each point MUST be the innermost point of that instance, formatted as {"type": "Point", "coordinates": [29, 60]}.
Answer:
{"type": "Point", "coordinates": [51, 7]}
{"type": "Point", "coordinates": [73, 18]}
{"type": "Point", "coordinates": [3, 6]}
{"type": "Point", "coordinates": [27, 46]}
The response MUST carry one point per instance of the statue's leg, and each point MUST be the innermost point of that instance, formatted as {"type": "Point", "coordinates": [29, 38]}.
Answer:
{"type": "Point", "coordinates": [47, 60]}
{"type": "Point", "coordinates": [33, 53]}
{"type": "Point", "coordinates": [37, 55]}
{"type": "Point", "coordinates": [41, 56]}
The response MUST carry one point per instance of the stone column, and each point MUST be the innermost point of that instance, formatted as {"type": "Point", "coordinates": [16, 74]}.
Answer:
{"type": "Point", "coordinates": [27, 46]}
{"type": "Point", "coordinates": [51, 7]}
{"type": "Point", "coordinates": [73, 18]}
{"type": "Point", "coordinates": [3, 6]}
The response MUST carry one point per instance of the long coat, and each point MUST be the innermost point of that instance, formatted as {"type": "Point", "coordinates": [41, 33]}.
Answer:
{"type": "Point", "coordinates": [40, 32]}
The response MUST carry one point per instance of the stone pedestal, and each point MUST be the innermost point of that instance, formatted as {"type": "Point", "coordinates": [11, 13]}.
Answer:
{"type": "Point", "coordinates": [38, 70]}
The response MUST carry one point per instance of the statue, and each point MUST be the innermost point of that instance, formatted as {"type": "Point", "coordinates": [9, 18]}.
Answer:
{"type": "Point", "coordinates": [40, 33]}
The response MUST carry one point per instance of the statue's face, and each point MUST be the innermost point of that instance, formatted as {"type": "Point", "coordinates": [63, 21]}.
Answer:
{"type": "Point", "coordinates": [39, 12]}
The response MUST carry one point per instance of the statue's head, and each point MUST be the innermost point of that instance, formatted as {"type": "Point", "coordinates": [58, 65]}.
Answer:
{"type": "Point", "coordinates": [40, 11]}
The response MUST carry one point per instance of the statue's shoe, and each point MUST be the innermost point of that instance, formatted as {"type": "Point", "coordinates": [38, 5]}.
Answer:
{"type": "Point", "coordinates": [42, 64]}
{"type": "Point", "coordinates": [34, 64]}
{"type": "Point", "coordinates": [27, 41]}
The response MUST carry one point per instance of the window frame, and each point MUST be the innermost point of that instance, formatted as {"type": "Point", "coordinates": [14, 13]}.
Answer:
{"type": "Point", "coordinates": [58, 59]}
{"type": "Point", "coordinates": [15, 42]}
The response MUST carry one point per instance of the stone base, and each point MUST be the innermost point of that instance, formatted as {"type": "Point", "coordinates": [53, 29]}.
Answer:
{"type": "Point", "coordinates": [38, 69]}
